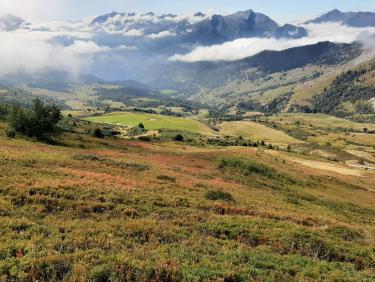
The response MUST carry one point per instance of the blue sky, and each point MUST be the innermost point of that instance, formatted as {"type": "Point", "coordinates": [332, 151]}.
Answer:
{"type": "Point", "coordinates": [282, 11]}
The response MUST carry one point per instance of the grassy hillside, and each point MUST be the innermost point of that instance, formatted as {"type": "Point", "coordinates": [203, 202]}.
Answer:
{"type": "Point", "coordinates": [116, 210]}
{"type": "Point", "coordinates": [256, 131]}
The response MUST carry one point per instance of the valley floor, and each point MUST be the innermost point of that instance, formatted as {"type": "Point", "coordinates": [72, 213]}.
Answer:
{"type": "Point", "coordinates": [116, 210]}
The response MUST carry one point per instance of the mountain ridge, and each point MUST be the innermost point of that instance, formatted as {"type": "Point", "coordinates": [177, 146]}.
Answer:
{"type": "Point", "coordinates": [353, 19]}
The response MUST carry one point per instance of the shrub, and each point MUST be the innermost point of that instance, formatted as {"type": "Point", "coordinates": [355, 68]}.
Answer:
{"type": "Point", "coordinates": [166, 178]}
{"type": "Point", "coordinates": [90, 157]}
{"type": "Point", "coordinates": [179, 138]}
{"type": "Point", "coordinates": [50, 269]}
{"type": "Point", "coordinates": [136, 131]}
{"type": "Point", "coordinates": [144, 138]}
{"type": "Point", "coordinates": [141, 125]}
{"type": "Point", "coordinates": [10, 133]}
{"type": "Point", "coordinates": [248, 167]}
{"type": "Point", "coordinates": [346, 233]}
{"type": "Point", "coordinates": [4, 111]}
{"type": "Point", "coordinates": [98, 133]}
{"type": "Point", "coordinates": [219, 195]}
{"type": "Point", "coordinates": [100, 273]}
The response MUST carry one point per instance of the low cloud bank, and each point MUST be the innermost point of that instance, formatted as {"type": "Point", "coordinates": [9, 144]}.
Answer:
{"type": "Point", "coordinates": [33, 52]}
{"type": "Point", "coordinates": [162, 34]}
{"type": "Point", "coordinates": [246, 47]}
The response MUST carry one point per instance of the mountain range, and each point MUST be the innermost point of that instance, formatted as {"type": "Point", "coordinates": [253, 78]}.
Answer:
{"type": "Point", "coordinates": [139, 45]}
{"type": "Point", "coordinates": [353, 19]}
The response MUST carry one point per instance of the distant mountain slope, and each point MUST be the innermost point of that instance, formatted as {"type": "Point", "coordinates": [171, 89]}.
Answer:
{"type": "Point", "coordinates": [51, 79]}
{"type": "Point", "coordinates": [215, 74]}
{"type": "Point", "coordinates": [244, 24]}
{"type": "Point", "coordinates": [351, 92]}
{"type": "Point", "coordinates": [354, 19]}
{"type": "Point", "coordinates": [321, 53]}
{"type": "Point", "coordinates": [198, 28]}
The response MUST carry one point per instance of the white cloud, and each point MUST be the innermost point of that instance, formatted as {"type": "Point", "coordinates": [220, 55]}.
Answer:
{"type": "Point", "coordinates": [190, 17]}
{"type": "Point", "coordinates": [134, 32]}
{"type": "Point", "coordinates": [162, 34]}
{"type": "Point", "coordinates": [32, 52]}
{"type": "Point", "coordinates": [32, 9]}
{"type": "Point", "coordinates": [246, 47]}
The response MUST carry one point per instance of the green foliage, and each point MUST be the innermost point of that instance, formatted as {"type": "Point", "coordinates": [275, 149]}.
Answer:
{"type": "Point", "coordinates": [179, 137]}
{"type": "Point", "coordinates": [364, 107]}
{"type": "Point", "coordinates": [10, 132]}
{"type": "Point", "coordinates": [101, 273]}
{"type": "Point", "coordinates": [144, 138]}
{"type": "Point", "coordinates": [37, 122]}
{"type": "Point", "coordinates": [135, 131]}
{"type": "Point", "coordinates": [346, 233]}
{"type": "Point", "coordinates": [98, 133]}
{"type": "Point", "coordinates": [345, 89]}
{"type": "Point", "coordinates": [218, 195]}
{"type": "Point", "coordinates": [4, 111]}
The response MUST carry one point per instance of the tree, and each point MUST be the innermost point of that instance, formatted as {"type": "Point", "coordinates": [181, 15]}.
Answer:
{"type": "Point", "coordinates": [37, 122]}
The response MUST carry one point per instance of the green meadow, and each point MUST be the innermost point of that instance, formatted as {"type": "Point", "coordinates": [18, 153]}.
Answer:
{"type": "Point", "coordinates": [152, 121]}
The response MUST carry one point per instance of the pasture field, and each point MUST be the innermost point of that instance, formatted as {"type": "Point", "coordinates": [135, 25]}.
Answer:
{"type": "Point", "coordinates": [152, 121]}
{"type": "Point", "coordinates": [256, 132]}
{"type": "Point", "coordinates": [168, 92]}
{"type": "Point", "coordinates": [115, 210]}
{"type": "Point", "coordinates": [321, 120]}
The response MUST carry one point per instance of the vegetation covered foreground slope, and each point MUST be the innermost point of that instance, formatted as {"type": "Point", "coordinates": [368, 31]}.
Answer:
{"type": "Point", "coordinates": [116, 210]}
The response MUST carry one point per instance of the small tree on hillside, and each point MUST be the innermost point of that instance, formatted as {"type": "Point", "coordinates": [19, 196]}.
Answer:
{"type": "Point", "coordinates": [37, 122]}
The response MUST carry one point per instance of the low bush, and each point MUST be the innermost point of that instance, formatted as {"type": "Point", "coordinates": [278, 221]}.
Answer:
{"type": "Point", "coordinates": [10, 133]}
{"type": "Point", "coordinates": [98, 133]}
{"type": "Point", "coordinates": [101, 273]}
{"type": "Point", "coordinates": [179, 138]}
{"type": "Point", "coordinates": [218, 195]}
{"type": "Point", "coordinates": [346, 233]}
{"type": "Point", "coordinates": [144, 138]}
{"type": "Point", "coordinates": [167, 178]}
